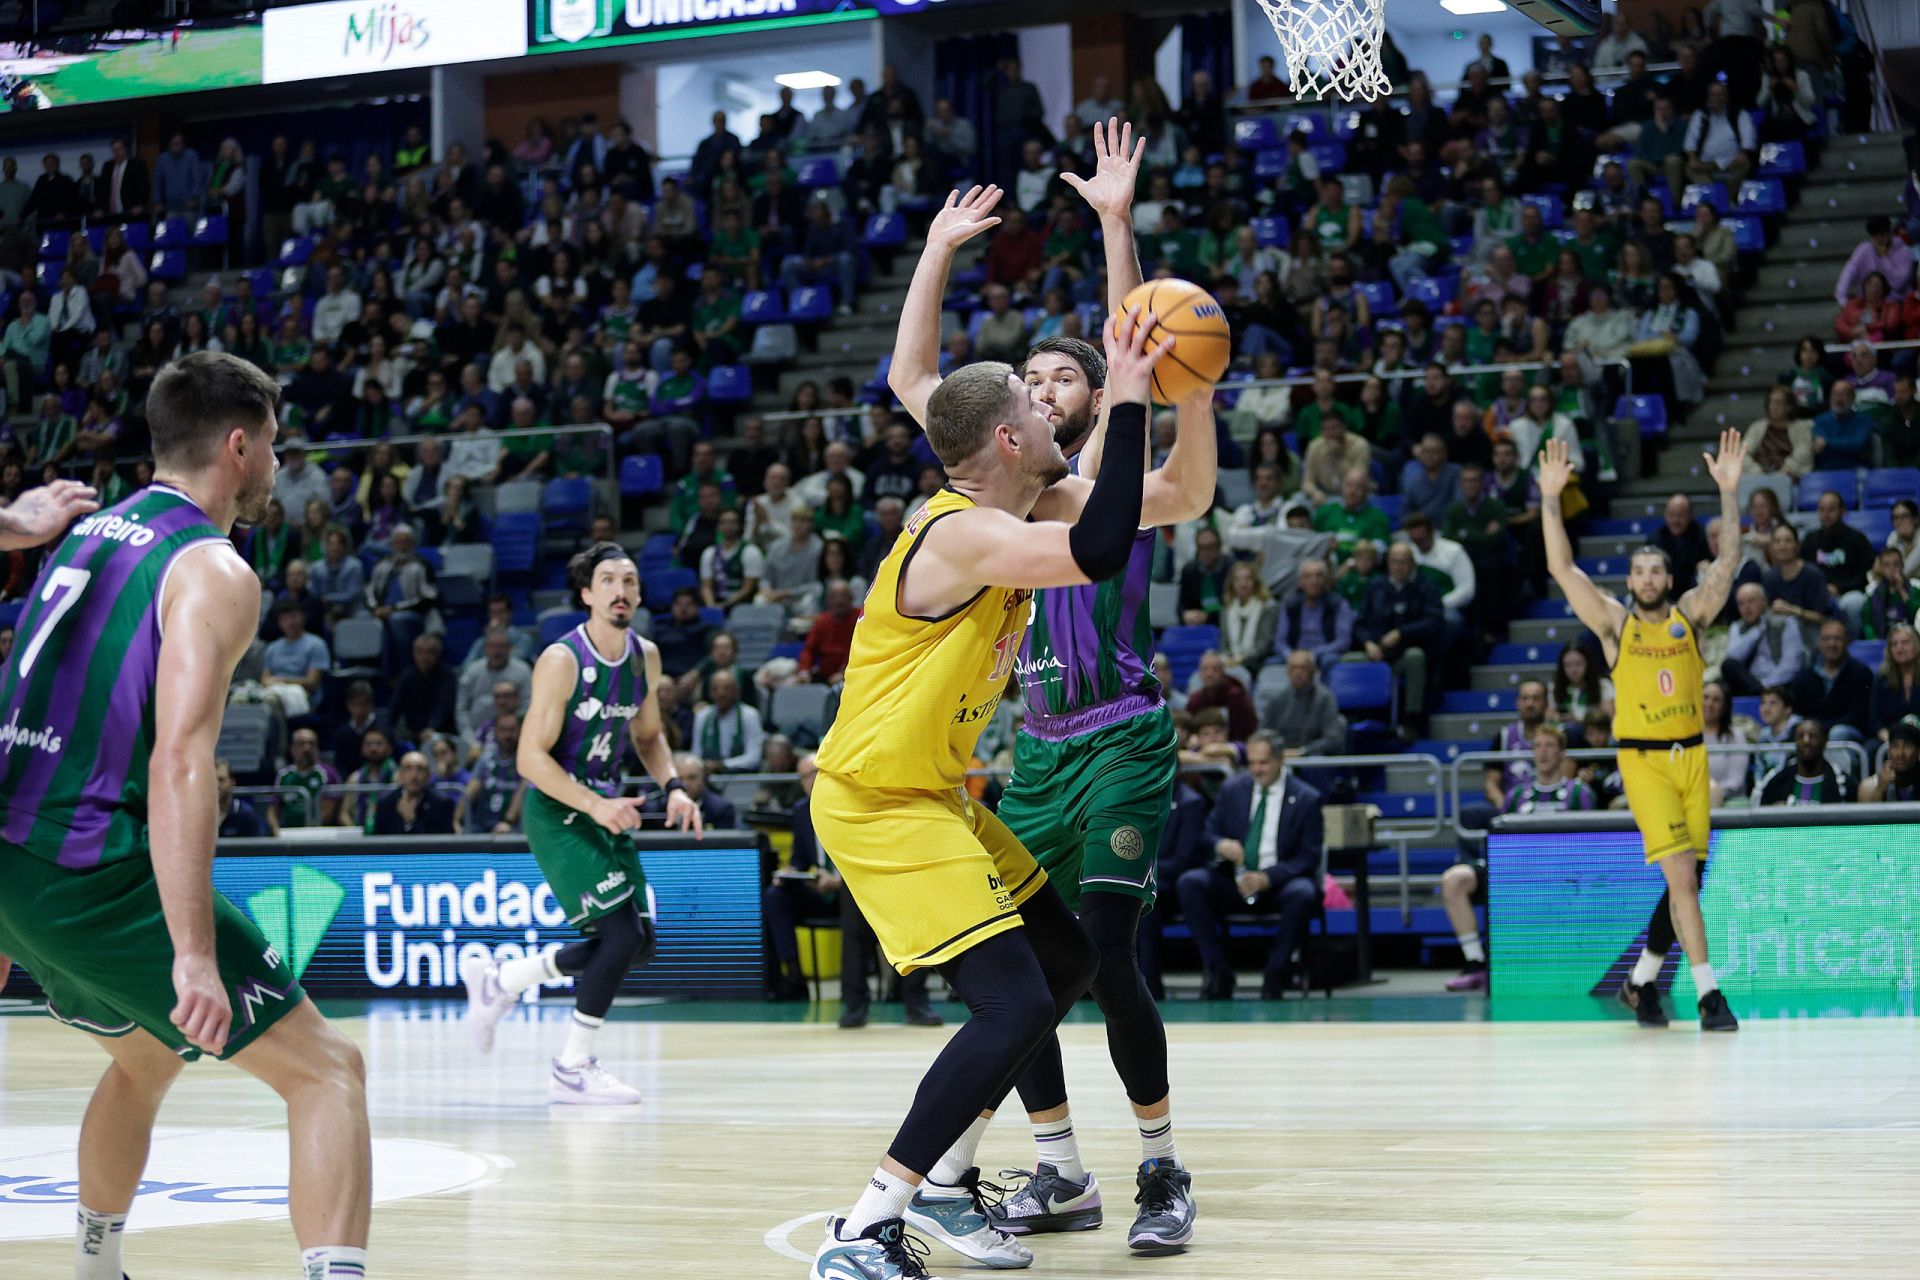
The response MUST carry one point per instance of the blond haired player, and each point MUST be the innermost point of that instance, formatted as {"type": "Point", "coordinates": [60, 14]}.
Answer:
{"type": "Point", "coordinates": [1653, 649]}
{"type": "Point", "coordinates": [942, 881]}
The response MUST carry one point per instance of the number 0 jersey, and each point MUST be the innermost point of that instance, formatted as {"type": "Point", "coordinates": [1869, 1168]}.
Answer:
{"type": "Point", "coordinates": [919, 690]}
{"type": "Point", "coordinates": [1657, 680]}
{"type": "Point", "coordinates": [607, 694]}
{"type": "Point", "coordinates": [76, 699]}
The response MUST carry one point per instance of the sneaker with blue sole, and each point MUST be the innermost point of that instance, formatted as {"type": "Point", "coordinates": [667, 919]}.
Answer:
{"type": "Point", "coordinates": [1044, 1201]}
{"type": "Point", "coordinates": [1167, 1209]}
{"type": "Point", "coordinates": [957, 1217]}
{"type": "Point", "coordinates": [882, 1252]}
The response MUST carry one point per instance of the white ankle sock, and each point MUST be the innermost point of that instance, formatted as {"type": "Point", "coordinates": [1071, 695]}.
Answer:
{"type": "Point", "coordinates": [96, 1239]}
{"type": "Point", "coordinates": [1156, 1139]}
{"type": "Point", "coordinates": [1703, 979]}
{"type": "Point", "coordinates": [1473, 949]}
{"type": "Point", "coordinates": [886, 1197]}
{"type": "Point", "coordinates": [333, 1262]}
{"type": "Point", "coordinates": [580, 1035]}
{"type": "Point", "coordinates": [528, 971]}
{"type": "Point", "coordinates": [1055, 1144]}
{"type": "Point", "coordinates": [953, 1166]}
{"type": "Point", "coordinates": [1647, 968]}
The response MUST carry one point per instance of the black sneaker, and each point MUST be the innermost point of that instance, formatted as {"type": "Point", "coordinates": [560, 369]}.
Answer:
{"type": "Point", "coordinates": [1714, 1014]}
{"type": "Point", "coordinates": [1165, 1221]}
{"type": "Point", "coordinates": [851, 1019]}
{"type": "Point", "coordinates": [1645, 1003]}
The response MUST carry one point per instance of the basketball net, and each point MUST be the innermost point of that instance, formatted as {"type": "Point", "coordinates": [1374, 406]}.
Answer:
{"type": "Point", "coordinates": [1332, 46]}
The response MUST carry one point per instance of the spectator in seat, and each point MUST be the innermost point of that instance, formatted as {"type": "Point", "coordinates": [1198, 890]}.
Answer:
{"type": "Point", "coordinates": [1844, 556]}
{"type": "Point", "coordinates": [1314, 618]}
{"type": "Point", "coordinates": [1218, 689]}
{"type": "Point", "coordinates": [1402, 624]}
{"type": "Point", "coordinates": [727, 732]}
{"type": "Point", "coordinates": [1894, 598]}
{"type": "Point", "coordinates": [823, 655]}
{"type": "Point", "coordinates": [1248, 618]}
{"type": "Point", "coordinates": [1879, 253]}
{"type": "Point", "coordinates": [494, 795]}
{"type": "Point", "coordinates": [716, 811]}
{"type": "Point", "coordinates": [1896, 692]}
{"type": "Point", "coordinates": [239, 820]}
{"type": "Point", "coordinates": [1203, 581]}
{"type": "Point", "coordinates": [1898, 780]}
{"type": "Point", "coordinates": [1354, 517]}
{"type": "Point", "coordinates": [1810, 778]}
{"type": "Point", "coordinates": [723, 655]}
{"type": "Point", "coordinates": [1445, 564]}
{"type": "Point", "coordinates": [1266, 834]}
{"type": "Point", "coordinates": [401, 593]}
{"type": "Point", "coordinates": [806, 888]}
{"type": "Point", "coordinates": [497, 663]}
{"type": "Point", "coordinates": [298, 799]}
{"type": "Point", "coordinates": [1842, 436]}
{"type": "Point", "coordinates": [1720, 143]}
{"type": "Point", "coordinates": [1268, 503]}
{"type": "Point", "coordinates": [1003, 334]}
{"type": "Point", "coordinates": [793, 562]}
{"type": "Point", "coordinates": [1728, 773]}
{"type": "Point", "coordinates": [730, 569]}
{"type": "Point", "coordinates": [1777, 723]}
{"type": "Point", "coordinates": [339, 579]}
{"type": "Point", "coordinates": [1872, 386]}
{"type": "Point", "coordinates": [682, 638]}
{"type": "Point", "coordinates": [415, 807]}
{"type": "Point", "coordinates": [1905, 535]}
{"type": "Point", "coordinates": [889, 517]}
{"type": "Point", "coordinates": [376, 768]}
{"type": "Point", "coordinates": [1303, 714]}
{"type": "Point", "coordinates": [524, 641]}
{"type": "Point", "coordinates": [1782, 442]}
{"type": "Point", "coordinates": [702, 527]}
{"type": "Point", "coordinates": [1835, 688]}
{"type": "Point", "coordinates": [1764, 649]}
{"type": "Point", "coordinates": [426, 695]}
{"type": "Point", "coordinates": [295, 664]}
{"type": "Point", "coordinates": [1334, 454]}
{"type": "Point", "coordinates": [1684, 541]}
{"type": "Point", "coordinates": [1871, 315]}
{"type": "Point", "coordinates": [26, 347]}
{"type": "Point", "coordinates": [812, 489]}
{"type": "Point", "coordinates": [825, 255]}
{"type": "Point", "coordinates": [1429, 483]}
{"type": "Point", "coordinates": [1530, 703]}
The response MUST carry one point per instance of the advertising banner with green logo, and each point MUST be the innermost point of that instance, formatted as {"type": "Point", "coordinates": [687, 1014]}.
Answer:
{"type": "Point", "coordinates": [554, 26]}
{"type": "Point", "coordinates": [1801, 920]}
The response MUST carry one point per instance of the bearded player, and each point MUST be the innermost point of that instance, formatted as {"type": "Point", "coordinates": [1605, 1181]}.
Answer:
{"type": "Point", "coordinates": [1653, 649]}
{"type": "Point", "coordinates": [1096, 757]}
{"type": "Point", "coordinates": [108, 815]}
{"type": "Point", "coordinates": [593, 693]}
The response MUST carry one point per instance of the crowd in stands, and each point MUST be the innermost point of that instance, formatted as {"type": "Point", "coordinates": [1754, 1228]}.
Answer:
{"type": "Point", "coordinates": [1422, 294]}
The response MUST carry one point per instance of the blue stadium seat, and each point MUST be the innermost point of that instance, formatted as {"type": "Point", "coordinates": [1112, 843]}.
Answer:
{"type": "Point", "coordinates": [1713, 193]}
{"type": "Point", "coordinates": [1346, 123]}
{"type": "Point", "coordinates": [566, 504]}
{"type": "Point", "coordinates": [660, 585]}
{"type": "Point", "coordinates": [1806, 495]}
{"type": "Point", "coordinates": [261, 278]}
{"type": "Point", "coordinates": [295, 251]}
{"type": "Point", "coordinates": [657, 552]}
{"type": "Point", "coordinates": [641, 474]}
{"type": "Point", "coordinates": [1522, 653]}
{"type": "Point", "coordinates": [877, 391]}
{"type": "Point", "coordinates": [1749, 234]}
{"type": "Point", "coordinates": [1889, 484]}
{"type": "Point", "coordinates": [818, 171]}
{"type": "Point", "coordinates": [1312, 123]}
{"type": "Point", "coordinates": [885, 231]}
{"type": "Point", "coordinates": [1401, 804]}
{"type": "Point", "coordinates": [173, 233]}
{"type": "Point", "coordinates": [1361, 686]}
{"type": "Point", "coordinates": [1379, 295]}
{"type": "Point", "coordinates": [1330, 156]}
{"type": "Point", "coordinates": [1433, 292]}
{"type": "Point", "coordinates": [1612, 527]}
{"type": "Point", "coordinates": [1782, 160]}
{"type": "Point", "coordinates": [47, 275]}
{"type": "Point", "coordinates": [1553, 212]}
{"type": "Point", "coordinates": [713, 616]}
{"type": "Point", "coordinates": [168, 264]}
{"type": "Point", "coordinates": [1443, 750]}
{"type": "Point", "coordinates": [139, 236]}
{"type": "Point", "coordinates": [1458, 702]}
{"type": "Point", "coordinates": [1390, 505]}
{"type": "Point", "coordinates": [1549, 609]}
{"type": "Point", "coordinates": [1871, 652]}
{"type": "Point", "coordinates": [1268, 165]}
{"type": "Point", "coordinates": [556, 624]}
{"type": "Point", "coordinates": [516, 545]}
{"type": "Point", "coordinates": [1765, 197]}
{"type": "Point", "coordinates": [810, 304]}
{"type": "Point", "coordinates": [1649, 411]}
{"type": "Point", "coordinates": [1270, 232]}
{"type": "Point", "coordinates": [1183, 647]}
{"type": "Point", "coordinates": [762, 306]}
{"type": "Point", "coordinates": [1257, 133]}
{"type": "Point", "coordinates": [210, 231]}
{"type": "Point", "coordinates": [730, 384]}
{"type": "Point", "coordinates": [53, 246]}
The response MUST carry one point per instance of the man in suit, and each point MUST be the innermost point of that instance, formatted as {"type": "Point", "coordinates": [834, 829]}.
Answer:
{"type": "Point", "coordinates": [123, 192]}
{"type": "Point", "coordinates": [1181, 850]}
{"type": "Point", "coordinates": [716, 811]}
{"type": "Point", "coordinates": [1265, 832]}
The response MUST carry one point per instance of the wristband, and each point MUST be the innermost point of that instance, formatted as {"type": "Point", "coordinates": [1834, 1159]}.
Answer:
{"type": "Point", "coordinates": [672, 785]}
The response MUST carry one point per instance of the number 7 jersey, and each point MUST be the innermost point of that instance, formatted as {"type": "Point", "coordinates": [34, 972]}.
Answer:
{"type": "Point", "coordinates": [76, 698]}
{"type": "Point", "coordinates": [608, 692]}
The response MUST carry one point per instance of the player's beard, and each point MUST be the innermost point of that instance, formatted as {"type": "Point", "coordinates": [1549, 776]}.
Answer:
{"type": "Point", "coordinates": [1656, 604]}
{"type": "Point", "coordinates": [620, 621]}
{"type": "Point", "coordinates": [250, 503]}
{"type": "Point", "coordinates": [1073, 428]}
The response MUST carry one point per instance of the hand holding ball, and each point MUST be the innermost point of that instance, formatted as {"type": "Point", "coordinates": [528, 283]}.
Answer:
{"type": "Point", "coordinates": [1203, 343]}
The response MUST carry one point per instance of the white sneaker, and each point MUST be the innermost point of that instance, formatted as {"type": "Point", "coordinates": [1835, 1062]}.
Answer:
{"type": "Point", "coordinates": [588, 1085]}
{"type": "Point", "coordinates": [884, 1252]}
{"type": "Point", "coordinates": [960, 1222]}
{"type": "Point", "coordinates": [487, 1000]}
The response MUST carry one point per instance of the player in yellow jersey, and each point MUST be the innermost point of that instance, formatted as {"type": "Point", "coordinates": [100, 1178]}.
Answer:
{"type": "Point", "coordinates": [942, 881]}
{"type": "Point", "coordinates": [1653, 648]}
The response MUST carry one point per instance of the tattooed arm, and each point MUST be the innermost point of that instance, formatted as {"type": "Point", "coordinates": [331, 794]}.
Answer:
{"type": "Point", "coordinates": [1709, 595]}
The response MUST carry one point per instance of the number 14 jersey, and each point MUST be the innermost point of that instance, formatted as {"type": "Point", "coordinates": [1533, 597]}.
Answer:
{"type": "Point", "coordinates": [608, 692]}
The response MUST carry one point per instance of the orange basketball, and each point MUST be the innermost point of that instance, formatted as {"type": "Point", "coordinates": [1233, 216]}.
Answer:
{"type": "Point", "coordinates": [1203, 343]}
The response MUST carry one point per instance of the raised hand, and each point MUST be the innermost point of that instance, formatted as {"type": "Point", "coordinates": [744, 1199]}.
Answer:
{"type": "Point", "coordinates": [1131, 356]}
{"type": "Point", "coordinates": [1116, 170]}
{"type": "Point", "coordinates": [43, 514]}
{"type": "Point", "coordinates": [1555, 469]}
{"type": "Point", "coordinates": [963, 217]}
{"type": "Point", "coordinates": [1725, 468]}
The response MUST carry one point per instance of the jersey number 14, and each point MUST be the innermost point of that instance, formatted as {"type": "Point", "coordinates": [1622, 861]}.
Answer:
{"type": "Point", "coordinates": [601, 747]}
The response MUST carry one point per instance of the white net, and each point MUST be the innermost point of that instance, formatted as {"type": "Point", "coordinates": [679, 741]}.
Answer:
{"type": "Point", "coordinates": [1332, 46]}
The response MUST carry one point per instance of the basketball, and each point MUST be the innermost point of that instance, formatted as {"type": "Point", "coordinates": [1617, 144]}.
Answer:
{"type": "Point", "coordinates": [1204, 345]}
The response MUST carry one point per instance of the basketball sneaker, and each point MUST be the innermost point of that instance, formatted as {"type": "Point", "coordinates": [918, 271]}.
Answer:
{"type": "Point", "coordinates": [1165, 1221]}
{"type": "Point", "coordinates": [1044, 1201]}
{"type": "Point", "coordinates": [588, 1085]}
{"type": "Point", "coordinates": [1714, 1013]}
{"type": "Point", "coordinates": [883, 1252]}
{"type": "Point", "coordinates": [1472, 978]}
{"type": "Point", "coordinates": [1644, 1001]}
{"type": "Point", "coordinates": [487, 1000]}
{"type": "Point", "coordinates": [960, 1222]}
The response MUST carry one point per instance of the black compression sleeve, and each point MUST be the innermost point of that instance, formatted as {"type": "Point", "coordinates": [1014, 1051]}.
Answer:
{"type": "Point", "coordinates": [1102, 540]}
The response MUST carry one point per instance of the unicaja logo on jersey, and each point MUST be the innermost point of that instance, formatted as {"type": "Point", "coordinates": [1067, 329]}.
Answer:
{"type": "Point", "coordinates": [588, 710]}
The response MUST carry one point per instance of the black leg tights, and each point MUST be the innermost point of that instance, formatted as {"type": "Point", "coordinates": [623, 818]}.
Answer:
{"type": "Point", "coordinates": [615, 945]}
{"type": "Point", "coordinates": [1136, 1038]}
{"type": "Point", "coordinates": [1660, 934]}
{"type": "Point", "coordinates": [1017, 985]}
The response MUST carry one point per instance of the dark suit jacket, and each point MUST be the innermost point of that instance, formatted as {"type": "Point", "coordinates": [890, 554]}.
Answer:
{"type": "Point", "coordinates": [435, 817]}
{"type": "Point", "coordinates": [1847, 702]}
{"type": "Point", "coordinates": [806, 851]}
{"type": "Point", "coordinates": [135, 187]}
{"type": "Point", "coordinates": [1412, 609]}
{"type": "Point", "coordinates": [716, 811]}
{"type": "Point", "coordinates": [1182, 846]}
{"type": "Point", "coordinates": [1298, 841]}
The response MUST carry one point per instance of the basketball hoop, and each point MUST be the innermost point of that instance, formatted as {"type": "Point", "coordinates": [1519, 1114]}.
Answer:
{"type": "Point", "coordinates": [1332, 46]}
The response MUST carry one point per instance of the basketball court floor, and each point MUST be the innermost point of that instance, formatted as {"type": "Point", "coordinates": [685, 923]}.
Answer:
{"type": "Point", "coordinates": [1356, 1137]}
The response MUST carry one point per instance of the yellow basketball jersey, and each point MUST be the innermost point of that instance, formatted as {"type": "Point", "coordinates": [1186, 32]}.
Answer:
{"type": "Point", "coordinates": [1657, 680]}
{"type": "Point", "coordinates": [919, 690]}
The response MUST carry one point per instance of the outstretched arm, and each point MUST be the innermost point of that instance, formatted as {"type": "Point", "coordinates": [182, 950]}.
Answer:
{"type": "Point", "coordinates": [1602, 614]}
{"type": "Point", "coordinates": [1709, 595]}
{"type": "Point", "coordinates": [915, 370]}
{"type": "Point", "coordinates": [1179, 490]}
{"type": "Point", "coordinates": [1110, 191]}
{"type": "Point", "coordinates": [43, 514]}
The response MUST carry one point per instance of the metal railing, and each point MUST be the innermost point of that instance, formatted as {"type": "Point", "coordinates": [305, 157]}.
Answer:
{"type": "Point", "coordinates": [1609, 754]}
{"type": "Point", "coordinates": [1901, 344]}
{"type": "Point", "coordinates": [1403, 375]}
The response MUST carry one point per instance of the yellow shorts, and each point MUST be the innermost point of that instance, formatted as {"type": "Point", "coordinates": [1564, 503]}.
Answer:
{"type": "Point", "coordinates": [933, 872]}
{"type": "Point", "coordinates": [1667, 792]}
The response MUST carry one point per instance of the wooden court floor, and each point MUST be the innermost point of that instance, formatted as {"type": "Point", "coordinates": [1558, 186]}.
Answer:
{"type": "Point", "coordinates": [1529, 1151]}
